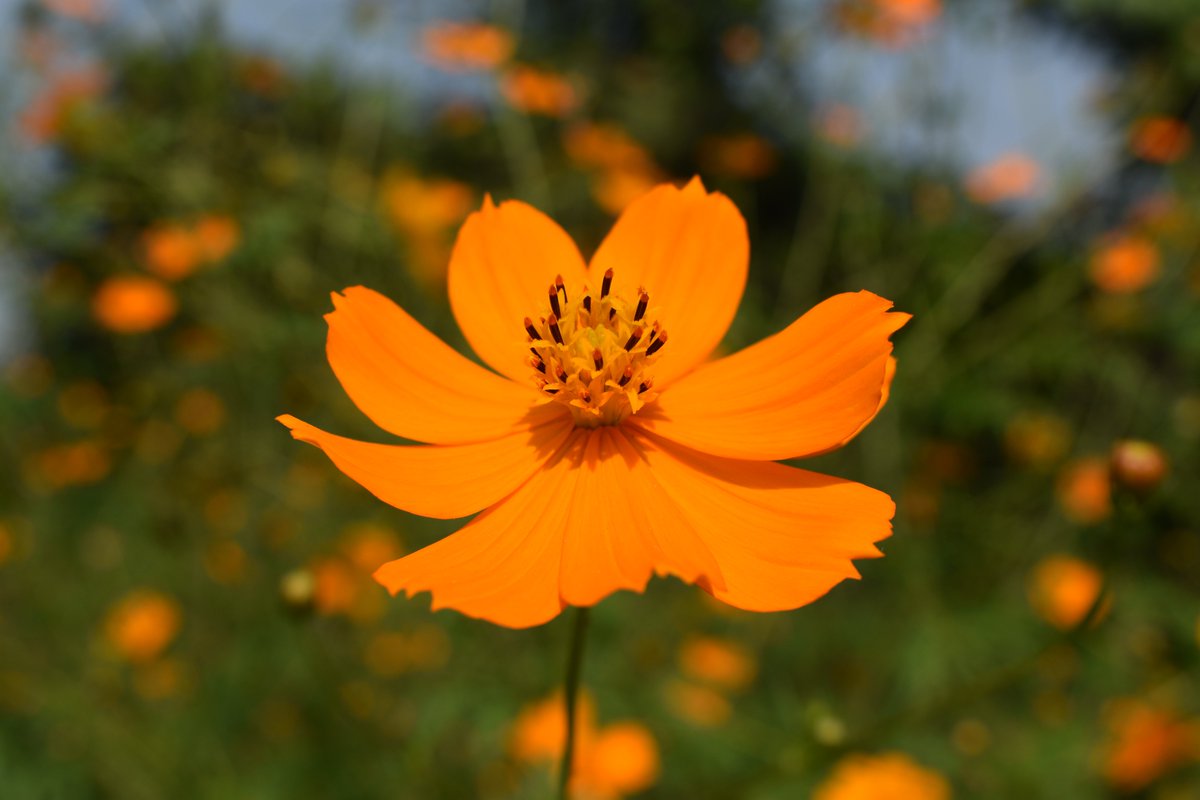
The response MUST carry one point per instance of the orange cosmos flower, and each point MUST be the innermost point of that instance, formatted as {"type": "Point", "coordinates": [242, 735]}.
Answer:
{"type": "Point", "coordinates": [133, 304]}
{"type": "Point", "coordinates": [607, 450]}
{"type": "Point", "coordinates": [460, 46]}
{"type": "Point", "coordinates": [1125, 263]}
{"type": "Point", "coordinates": [894, 776]}
{"type": "Point", "coordinates": [739, 155]}
{"type": "Point", "coordinates": [141, 625]}
{"type": "Point", "coordinates": [537, 91]}
{"type": "Point", "coordinates": [1085, 490]}
{"type": "Point", "coordinates": [1007, 178]}
{"type": "Point", "coordinates": [609, 762]}
{"type": "Point", "coordinates": [1146, 742]}
{"type": "Point", "coordinates": [1160, 139]}
{"type": "Point", "coordinates": [1062, 589]}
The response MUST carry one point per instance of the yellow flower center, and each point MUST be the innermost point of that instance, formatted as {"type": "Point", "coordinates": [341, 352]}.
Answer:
{"type": "Point", "coordinates": [591, 354]}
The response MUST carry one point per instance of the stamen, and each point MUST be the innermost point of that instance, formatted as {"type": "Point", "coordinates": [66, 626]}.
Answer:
{"type": "Point", "coordinates": [532, 331]}
{"type": "Point", "coordinates": [606, 284]}
{"type": "Point", "coordinates": [612, 312]}
{"type": "Point", "coordinates": [562, 374]}
{"type": "Point", "coordinates": [634, 338]}
{"type": "Point", "coordinates": [585, 396]}
{"type": "Point", "coordinates": [561, 287]}
{"type": "Point", "coordinates": [535, 352]}
{"type": "Point", "coordinates": [641, 307]}
{"type": "Point", "coordinates": [627, 377]}
{"type": "Point", "coordinates": [537, 364]}
{"type": "Point", "coordinates": [587, 303]}
{"type": "Point", "coordinates": [554, 306]}
{"type": "Point", "coordinates": [645, 385]}
{"type": "Point", "coordinates": [598, 358]}
{"type": "Point", "coordinates": [552, 322]}
{"type": "Point", "coordinates": [657, 345]}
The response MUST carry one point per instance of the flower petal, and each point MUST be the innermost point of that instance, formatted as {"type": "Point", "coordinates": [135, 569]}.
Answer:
{"type": "Point", "coordinates": [803, 391]}
{"type": "Point", "coordinates": [439, 481]}
{"type": "Point", "coordinates": [504, 260]}
{"type": "Point", "coordinates": [503, 566]}
{"type": "Point", "coordinates": [691, 252]}
{"type": "Point", "coordinates": [621, 530]}
{"type": "Point", "coordinates": [411, 383]}
{"type": "Point", "coordinates": [783, 536]}
{"type": "Point", "coordinates": [590, 522]}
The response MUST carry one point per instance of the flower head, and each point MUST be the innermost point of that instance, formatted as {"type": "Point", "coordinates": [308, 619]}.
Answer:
{"type": "Point", "coordinates": [603, 448]}
{"type": "Point", "coordinates": [891, 775]}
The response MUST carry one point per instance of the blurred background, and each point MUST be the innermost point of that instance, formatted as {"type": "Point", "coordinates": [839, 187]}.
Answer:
{"type": "Point", "coordinates": [185, 602]}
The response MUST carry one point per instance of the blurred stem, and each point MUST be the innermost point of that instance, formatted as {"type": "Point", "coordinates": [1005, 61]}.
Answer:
{"type": "Point", "coordinates": [571, 696]}
{"type": "Point", "coordinates": [517, 136]}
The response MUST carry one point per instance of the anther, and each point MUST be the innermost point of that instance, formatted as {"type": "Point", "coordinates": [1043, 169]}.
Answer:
{"type": "Point", "coordinates": [585, 396]}
{"type": "Point", "coordinates": [538, 365]}
{"type": "Point", "coordinates": [587, 303]}
{"type": "Point", "coordinates": [634, 338]}
{"type": "Point", "coordinates": [559, 286]}
{"type": "Point", "coordinates": [598, 358]}
{"type": "Point", "coordinates": [585, 377]}
{"type": "Point", "coordinates": [532, 331]}
{"type": "Point", "coordinates": [612, 312]}
{"type": "Point", "coordinates": [562, 374]}
{"type": "Point", "coordinates": [645, 385]}
{"type": "Point", "coordinates": [606, 284]}
{"type": "Point", "coordinates": [627, 377]}
{"type": "Point", "coordinates": [552, 322]}
{"type": "Point", "coordinates": [641, 307]}
{"type": "Point", "coordinates": [655, 346]}
{"type": "Point", "coordinates": [554, 306]}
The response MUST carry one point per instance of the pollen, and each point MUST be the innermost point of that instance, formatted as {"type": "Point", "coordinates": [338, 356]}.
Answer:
{"type": "Point", "coordinates": [593, 353]}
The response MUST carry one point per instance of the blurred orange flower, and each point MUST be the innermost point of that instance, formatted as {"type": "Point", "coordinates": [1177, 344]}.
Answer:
{"type": "Point", "coordinates": [424, 210]}
{"type": "Point", "coordinates": [1009, 177]}
{"type": "Point", "coordinates": [719, 662]}
{"type": "Point", "coordinates": [700, 705]}
{"type": "Point", "coordinates": [75, 464]}
{"type": "Point", "coordinates": [458, 46]}
{"type": "Point", "coordinates": [895, 23]}
{"type": "Point", "coordinates": [1138, 465]}
{"type": "Point", "coordinates": [604, 145]}
{"type": "Point", "coordinates": [1160, 139]}
{"type": "Point", "coordinates": [1124, 263]}
{"type": "Point", "coordinates": [1063, 588]}
{"type": "Point", "coordinates": [890, 776]}
{"type": "Point", "coordinates": [43, 119]}
{"type": "Point", "coordinates": [1085, 490]}
{"type": "Point", "coordinates": [174, 250]}
{"type": "Point", "coordinates": [840, 125]}
{"type": "Point", "coordinates": [216, 236]}
{"type": "Point", "coordinates": [1146, 742]}
{"type": "Point", "coordinates": [609, 762]}
{"type": "Point", "coordinates": [740, 155]}
{"type": "Point", "coordinates": [616, 189]}
{"type": "Point", "coordinates": [6, 543]}
{"type": "Point", "coordinates": [133, 304]}
{"type": "Point", "coordinates": [142, 624]}
{"type": "Point", "coordinates": [537, 91]}
{"type": "Point", "coordinates": [420, 206]}
{"type": "Point", "coordinates": [200, 412]}
{"type": "Point", "coordinates": [611, 454]}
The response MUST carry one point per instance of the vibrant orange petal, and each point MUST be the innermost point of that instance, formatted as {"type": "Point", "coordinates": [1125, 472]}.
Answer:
{"type": "Point", "coordinates": [690, 251]}
{"type": "Point", "coordinates": [588, 523]}
{"type": "Point", "coordinates": [439, 481]}
{"type": "Point", "coordinates": [503, 566]}
{"type": "Point", "coordinates": [504, 260]}
{"type": "Point", "coordinates": [620, 531]}
{"type": "Point", "coordinates": [413, 384]}
{"type": "Point", "coordinates": [803, 391]}
{"type": "Point", "coordinates": [783, 536]}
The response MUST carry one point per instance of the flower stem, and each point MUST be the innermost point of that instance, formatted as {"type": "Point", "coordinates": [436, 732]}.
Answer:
{"type": "Point", "coordinates": [570, 697]}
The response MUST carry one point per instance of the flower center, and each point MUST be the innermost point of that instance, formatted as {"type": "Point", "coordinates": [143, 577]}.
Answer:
{"type": "Point", "coordinates": [591, 355]}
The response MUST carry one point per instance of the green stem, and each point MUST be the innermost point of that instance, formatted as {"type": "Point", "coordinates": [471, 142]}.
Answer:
{"type": "Point", "coordinates": [570, 696]}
